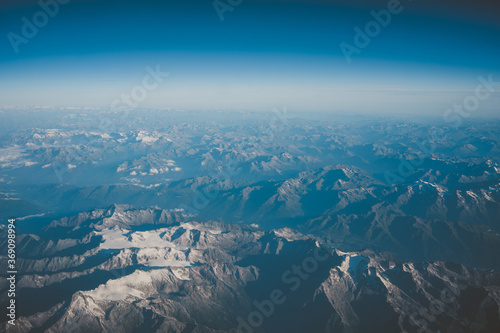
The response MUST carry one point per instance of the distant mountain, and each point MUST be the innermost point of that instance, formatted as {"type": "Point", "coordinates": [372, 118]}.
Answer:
{"type": "Point", "coordinates": [407, 210]}
{"type": "Point", "coordinates": [453, 217]}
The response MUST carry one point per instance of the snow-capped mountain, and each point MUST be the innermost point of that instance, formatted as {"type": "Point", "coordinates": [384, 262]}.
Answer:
{"type": "Point", "coordinates": [123, 269]}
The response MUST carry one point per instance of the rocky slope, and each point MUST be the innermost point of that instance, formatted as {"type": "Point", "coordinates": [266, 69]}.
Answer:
{"type": "Point", "coordinates": [148, 270]}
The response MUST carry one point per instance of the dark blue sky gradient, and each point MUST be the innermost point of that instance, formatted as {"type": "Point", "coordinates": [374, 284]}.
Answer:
{"type": "Point", "coordinates": [284, 46]}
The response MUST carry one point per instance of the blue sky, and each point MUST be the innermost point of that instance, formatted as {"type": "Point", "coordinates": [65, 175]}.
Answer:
{"type": "Point", "coordinates": [264, 54]}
